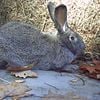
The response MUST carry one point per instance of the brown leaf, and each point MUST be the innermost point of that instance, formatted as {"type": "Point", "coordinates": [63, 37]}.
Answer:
{"type": "Point", "coordinates": [13, 68]}
{"type": "Point", "coordinates": [89, 69]}
{"type": "Point", "coordinates": [18, 69]}
{"type": "Point", "coordinates": [92, 71]}
{"type": "Point", "coordinates": [13, 89]}
{"type": "Point", "coordinates": [67, 96]}
{"type": "Point", "coordinates": [21, 96]}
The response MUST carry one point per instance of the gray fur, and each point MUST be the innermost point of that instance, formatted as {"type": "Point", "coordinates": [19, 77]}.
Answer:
{"type": "Point", "coordinates": [22, 44]}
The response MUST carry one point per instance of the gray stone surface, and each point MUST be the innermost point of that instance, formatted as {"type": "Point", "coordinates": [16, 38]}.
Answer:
{"type": "Point", "coordinates": [59, 83]}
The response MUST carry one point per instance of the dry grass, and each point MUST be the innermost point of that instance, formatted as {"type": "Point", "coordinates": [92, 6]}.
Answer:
{"type": "Point", "coordinates": [83, 17]}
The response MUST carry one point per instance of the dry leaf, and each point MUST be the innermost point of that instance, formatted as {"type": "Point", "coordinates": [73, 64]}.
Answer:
{"type": "Point", "coordinates": [18, 68]}
{"type": "Point", "coordinates": [21, 96]}
{"type": "Point", "coordinates": [13, 89]}
{"type": "Point", "coordinates": [67, 96]}
{"type": "Point", "coordinates": [13, 68]}
{"type": "Point", "coordinates": [92, 71]}
{"type": "Point", "coordinates": [89, 69]}
{"type": "Point", "coordinates": [25, 74]}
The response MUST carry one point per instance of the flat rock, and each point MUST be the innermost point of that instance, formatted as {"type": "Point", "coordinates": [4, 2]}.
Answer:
{"type": "Point", "coordinates": [64, 85]}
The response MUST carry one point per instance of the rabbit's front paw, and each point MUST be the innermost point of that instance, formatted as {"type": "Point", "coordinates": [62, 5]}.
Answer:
{"type": "Point", "coordinates": [70, 68]}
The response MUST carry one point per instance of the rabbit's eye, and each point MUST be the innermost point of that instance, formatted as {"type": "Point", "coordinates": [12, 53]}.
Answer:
{"type": "Point", "coordinates": [72, 38]}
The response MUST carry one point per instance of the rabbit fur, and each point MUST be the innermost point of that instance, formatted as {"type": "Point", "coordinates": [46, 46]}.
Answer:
{"type": "Point", "coordinates": [22, 44]}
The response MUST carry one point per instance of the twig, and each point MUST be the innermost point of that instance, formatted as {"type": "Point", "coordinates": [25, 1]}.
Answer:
{"type": "Point", "coordinates": [44, 23]}
{"type": "Point", "coordinates": [81, 79]}
{"type": "Point", "coordinates": [52, 86]}
{"type": "Point", "coordinates": [46, 18]}
{"type": "Point", "coordinates": [5, 80]}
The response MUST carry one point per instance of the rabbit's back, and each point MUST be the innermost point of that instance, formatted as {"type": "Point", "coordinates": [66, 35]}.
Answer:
{"type": "Point", "coordinates": [22, 44]}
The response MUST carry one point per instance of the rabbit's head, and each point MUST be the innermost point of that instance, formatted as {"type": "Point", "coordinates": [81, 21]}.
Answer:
{"type": "Point", "coordinates": [67, 36]}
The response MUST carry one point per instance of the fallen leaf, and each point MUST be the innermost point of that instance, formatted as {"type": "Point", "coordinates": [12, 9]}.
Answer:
{"type": "Point", "coordinates": [13, 89]}
{"type": "Point", "coordinates": [25, 74]}
{"type": "Point", "coordinates": [92, 71]}
{"type": "Point", "coordinates": [89, 69]}
{"type": "Point", "coordinates": [18, 68]}
{"type": "Point", "coordinates": [67, 96]}
{"type": "Point", "coordinates": [21, 96]}
{"type": "Point", "coordinates": [13, 68]}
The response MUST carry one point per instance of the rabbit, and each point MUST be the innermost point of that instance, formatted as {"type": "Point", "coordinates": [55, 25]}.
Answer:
{"type": "Point", "coordinates": [21, 44]}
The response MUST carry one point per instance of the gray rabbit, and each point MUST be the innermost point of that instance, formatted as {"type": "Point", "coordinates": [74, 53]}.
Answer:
{"type": "Point", "coordinates": [21, 44]}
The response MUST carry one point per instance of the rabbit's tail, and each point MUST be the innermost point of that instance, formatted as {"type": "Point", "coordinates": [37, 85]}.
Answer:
{"type": "Point", "coordinates": [3, 64]}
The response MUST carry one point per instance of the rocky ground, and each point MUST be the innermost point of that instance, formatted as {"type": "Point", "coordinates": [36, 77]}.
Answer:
{"type": "Point", "coordinates": [58, 86]}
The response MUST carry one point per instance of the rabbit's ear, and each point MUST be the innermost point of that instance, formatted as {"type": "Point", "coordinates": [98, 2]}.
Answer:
{"type": "Point", "coordinates": [60, 15]}
{"type": "Point", "coordinates": [51, 8]}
